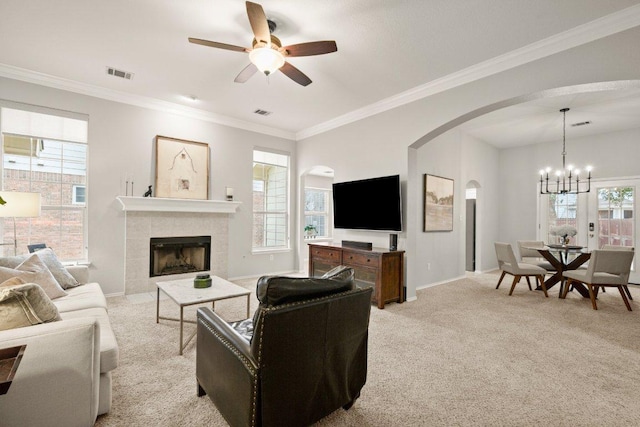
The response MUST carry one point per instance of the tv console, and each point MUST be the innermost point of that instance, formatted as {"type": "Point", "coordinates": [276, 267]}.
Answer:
{"type": "Point", "coordinates": [379, 268]}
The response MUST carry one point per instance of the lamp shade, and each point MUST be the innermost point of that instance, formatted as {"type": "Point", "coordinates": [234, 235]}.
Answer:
{"type": "Point", "coordinates": [266, 59]}
{"type": "Point", "coordinates": [19, 204]}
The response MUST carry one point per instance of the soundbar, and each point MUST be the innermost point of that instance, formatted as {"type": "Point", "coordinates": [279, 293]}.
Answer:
{"type": "Point", "coordinates": [356, 244]}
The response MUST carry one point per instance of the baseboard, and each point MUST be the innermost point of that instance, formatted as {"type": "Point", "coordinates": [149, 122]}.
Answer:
{"type": "Point", "coordinates": [444, 282]}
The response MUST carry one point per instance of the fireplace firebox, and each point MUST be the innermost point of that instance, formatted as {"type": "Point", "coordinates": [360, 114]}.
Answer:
{"type": "Point", "coordinates": [179, 255]}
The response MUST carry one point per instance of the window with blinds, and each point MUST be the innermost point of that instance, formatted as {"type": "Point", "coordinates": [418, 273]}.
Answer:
{"type": "Point", "coordinates": [47, 154]}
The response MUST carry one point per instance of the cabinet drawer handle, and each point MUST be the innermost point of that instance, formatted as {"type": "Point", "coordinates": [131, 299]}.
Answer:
{"type": "Point", "coordinates": [350, 257]}
{"type": "Point", "coordinates": [368, 260]}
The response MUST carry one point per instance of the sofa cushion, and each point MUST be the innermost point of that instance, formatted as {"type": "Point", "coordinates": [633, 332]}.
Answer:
{"type": "Point", "coordinates": [81, 297]}
{"type": "Point", "coordinates": [33, 270]}
{"type": "Point", "coordinates": [12, 261]}
{"type": "Point", "coordinates": [25, 305]}
{"type": "Point", "coordinates": [62, 276]}
{"type": "Point", "coordinates": [59, 272]}
{"type": "Point", "coordinates": [108, 343]}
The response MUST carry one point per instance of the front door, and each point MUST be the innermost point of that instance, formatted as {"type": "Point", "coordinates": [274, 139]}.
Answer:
{"type": "Point", "coordinates": [612, 219]}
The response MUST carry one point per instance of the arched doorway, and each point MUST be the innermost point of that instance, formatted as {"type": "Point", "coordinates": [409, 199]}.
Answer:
{"type": "Point", "coordinates": [471, 195]}
{"type": "Point", "coordinates": [489, 226]}
{"type": "Point", "coordinates": [315, 222]}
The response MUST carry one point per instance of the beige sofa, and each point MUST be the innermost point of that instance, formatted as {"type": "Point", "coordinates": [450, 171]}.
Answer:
{"type": "Point", "coordinates": [64, 378]}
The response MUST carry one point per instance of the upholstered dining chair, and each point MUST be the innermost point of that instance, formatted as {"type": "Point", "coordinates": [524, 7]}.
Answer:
{"type": "Point", "coordinates": [527, 249]}
{"type": "Point", "coordinates": [508, 263]}
{"type": "Point", "coordinates": [620, 248]}
{"type": "Point", "coordinates": [606, 268]}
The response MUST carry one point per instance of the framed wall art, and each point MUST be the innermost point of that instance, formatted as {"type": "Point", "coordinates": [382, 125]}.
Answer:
{"type": "Point", "coordinates": [438, 203]}
{"type": "Point", "coordinates": [182, 169]}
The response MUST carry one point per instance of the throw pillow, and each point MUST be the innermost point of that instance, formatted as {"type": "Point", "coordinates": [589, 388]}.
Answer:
{"type": "Point", "coordinates": [33, 270]}
{"type": "Point", "coordinates": [62, 276]}
{"type": "Point", "coordinates": [25, 305]}
{"type": "Point", "coordinates": [12, 282]}
{"type": "Point", "coordinates": [12, 261]}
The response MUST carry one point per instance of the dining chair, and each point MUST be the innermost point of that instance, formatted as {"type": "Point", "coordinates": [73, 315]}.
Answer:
{"type": "Point", "coordinates": [620, 248]}
{"type": "Point", "coordinates": [508, 263]}
{"type": "Point", "coordinates": [527, 249]}
{"type": "Point", "coordinates": [606, 268]}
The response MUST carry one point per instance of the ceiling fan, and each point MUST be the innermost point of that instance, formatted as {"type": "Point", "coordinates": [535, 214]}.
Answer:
{"type": "Point", "coordinates": [267, 53]}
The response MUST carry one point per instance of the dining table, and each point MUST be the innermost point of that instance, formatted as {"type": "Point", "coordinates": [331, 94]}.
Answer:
{"type": "Point", "coordinates": [564, 258]}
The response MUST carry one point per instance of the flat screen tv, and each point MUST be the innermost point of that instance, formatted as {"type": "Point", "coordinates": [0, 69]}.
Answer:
{"type": "Point", "coordinates": [368, 204]}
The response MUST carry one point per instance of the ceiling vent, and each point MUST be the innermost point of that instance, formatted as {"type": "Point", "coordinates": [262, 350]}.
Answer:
{"type": "Point", "coordinates": [588, 122]}
{"type": "Point", "coordinates": [262, 112]}
{"type": "Point", "coordinates": [119, 73]}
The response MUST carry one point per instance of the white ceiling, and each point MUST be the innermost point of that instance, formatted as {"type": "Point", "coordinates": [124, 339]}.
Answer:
{"type": "Point", "coordinates": [385, 49]}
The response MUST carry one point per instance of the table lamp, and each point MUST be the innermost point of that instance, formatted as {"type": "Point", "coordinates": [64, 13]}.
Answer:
{"type": "Point", "coordinates": [16, 204]}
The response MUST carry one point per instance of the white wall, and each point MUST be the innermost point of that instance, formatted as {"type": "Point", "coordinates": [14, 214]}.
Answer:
{"type": "Point", "coordinates": [390, 142]}
{"type": "Point", "coordinates": [480, 163]}
{"type": "Point", "coordinates": [612, 155]}
{"type": "Point", "coordinates": [121, 141]}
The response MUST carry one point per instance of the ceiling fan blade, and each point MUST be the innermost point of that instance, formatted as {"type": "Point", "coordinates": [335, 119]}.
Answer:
{"type": "Point", "coordinates": [246, 73]}
{"type": "Point", "coordinates": [218, 45]}
{"type": "Point", "coordinates": [258, 21]}
{"type": "Point", "coordinates": [294, 74]}
{"type": "Point", "coordinates": [311, 48]}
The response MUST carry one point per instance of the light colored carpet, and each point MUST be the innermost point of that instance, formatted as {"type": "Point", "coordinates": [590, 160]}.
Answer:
{"type": "Point", "coordinates": [463, 354]}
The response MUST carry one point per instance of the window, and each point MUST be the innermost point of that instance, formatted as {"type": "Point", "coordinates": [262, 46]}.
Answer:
{"type": "Point", "coordinates": [316, 212]}
{"type": "Point", "coordinates": [270, 200]}
{"type": "Point", "coordinates": [78, 194]}
{"type": "Point", "coordinates": [615, 216]}
{"type": "Point", "coordinates": [38, 159]}
{"type": "Point", "coordinates": [563, 209]}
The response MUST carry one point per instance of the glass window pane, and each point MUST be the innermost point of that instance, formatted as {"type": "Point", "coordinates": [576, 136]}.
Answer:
{"type": "Point", "coordinates": [270, 200]}
{"type": "Point", "coordinates": [56, 170]}
{"type": "Point", "coordinates": [615, 216]}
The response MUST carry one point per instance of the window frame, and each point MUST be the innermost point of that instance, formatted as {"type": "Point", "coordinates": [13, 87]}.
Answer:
{"type": "Point", "coordinates": [77, 137]}
{"type": "Point", "coordinates": [286, 212]}
{"type": "Point", "coordinates": [326, 213]}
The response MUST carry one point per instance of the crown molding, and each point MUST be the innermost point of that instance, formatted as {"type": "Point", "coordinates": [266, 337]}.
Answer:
{"type": "Point", "coordinates": [42, 79]}
{"type": "Point", "coordinates": [602, 27]}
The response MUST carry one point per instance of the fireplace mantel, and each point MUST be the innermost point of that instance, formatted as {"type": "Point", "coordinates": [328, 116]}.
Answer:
{"type": "Point", "coordinates": [158, 204]}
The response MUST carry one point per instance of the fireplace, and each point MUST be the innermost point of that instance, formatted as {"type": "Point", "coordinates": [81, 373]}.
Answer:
{"type": "Point", "coordinates": [179, 255]}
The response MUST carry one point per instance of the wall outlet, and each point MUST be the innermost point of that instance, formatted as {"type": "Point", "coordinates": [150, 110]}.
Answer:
{"type": "Point", "coordinates": [271, 257]}
{"type": "Point", "coordinates": [428, 266]}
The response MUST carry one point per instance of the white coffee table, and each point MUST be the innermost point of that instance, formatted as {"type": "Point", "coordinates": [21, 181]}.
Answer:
{"type": "Point", "coordinates": [184, 294]}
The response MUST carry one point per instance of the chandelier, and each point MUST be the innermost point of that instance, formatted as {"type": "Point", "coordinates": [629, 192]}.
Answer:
{"type": "Point", "coordinates": [567, 180]}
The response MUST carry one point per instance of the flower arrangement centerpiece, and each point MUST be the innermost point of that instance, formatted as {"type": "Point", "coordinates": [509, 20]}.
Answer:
{"type": "Point", "coordinates": [565, 232]}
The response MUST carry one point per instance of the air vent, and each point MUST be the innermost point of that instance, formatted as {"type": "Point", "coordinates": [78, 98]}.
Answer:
{"type": "Point", "coordinates": [119, 73]}
{"type": "Point", "coordinates": [262, 112]}
{"type": "Point", "coordinates": [588, 122]}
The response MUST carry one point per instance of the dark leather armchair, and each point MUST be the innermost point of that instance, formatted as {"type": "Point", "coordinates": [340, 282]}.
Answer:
{"type": "Point", "coordinates": [306, 359]}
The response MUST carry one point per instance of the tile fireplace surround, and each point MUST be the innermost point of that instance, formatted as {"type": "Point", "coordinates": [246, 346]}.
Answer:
{"type": "Point", "coordinates": [144, 223]}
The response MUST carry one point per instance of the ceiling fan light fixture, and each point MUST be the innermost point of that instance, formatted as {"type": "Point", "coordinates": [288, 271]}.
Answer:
{"type": "Point", "coordinates": [266, 59]}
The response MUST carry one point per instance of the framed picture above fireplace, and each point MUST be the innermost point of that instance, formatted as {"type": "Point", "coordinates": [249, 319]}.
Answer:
{"type": "Point", "coordinates": [182, 169]}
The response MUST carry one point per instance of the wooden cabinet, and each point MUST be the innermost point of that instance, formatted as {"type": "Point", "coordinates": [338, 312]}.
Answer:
{"type": "Point", "coordinates": [379, 268]}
